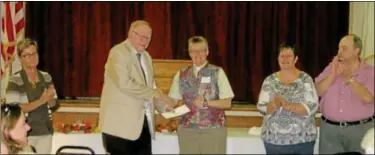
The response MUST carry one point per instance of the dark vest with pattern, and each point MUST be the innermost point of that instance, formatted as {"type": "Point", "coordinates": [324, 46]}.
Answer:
{"type": "Point", "coordinates": [204, 84]}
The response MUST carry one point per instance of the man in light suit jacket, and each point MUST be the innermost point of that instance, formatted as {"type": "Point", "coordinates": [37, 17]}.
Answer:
{"type": "Point", "coordinates": [128, 95]}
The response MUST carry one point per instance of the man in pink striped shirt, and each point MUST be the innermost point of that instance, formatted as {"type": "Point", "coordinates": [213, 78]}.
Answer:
{"type": "Point", "coordinates": [346, 87]}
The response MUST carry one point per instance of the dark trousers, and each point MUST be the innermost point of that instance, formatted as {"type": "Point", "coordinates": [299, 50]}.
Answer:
{"type": "Point", "coordinates": [119, 146]}
{"type": "Point", "coordinates": [303, 148]}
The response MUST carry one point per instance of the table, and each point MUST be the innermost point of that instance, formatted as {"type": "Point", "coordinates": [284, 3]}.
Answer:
{"type": "Point", "coordinates": [239, 142]}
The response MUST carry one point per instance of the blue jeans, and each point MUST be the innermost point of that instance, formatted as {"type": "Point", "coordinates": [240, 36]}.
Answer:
{"type": "Point", "coordinates": [302, 148]}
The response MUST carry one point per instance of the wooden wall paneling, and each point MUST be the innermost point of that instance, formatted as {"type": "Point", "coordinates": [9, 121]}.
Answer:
{"type": "Point", "coordinates": [164, 72]}
{"type": "Point", "coordinates": [72, 117]}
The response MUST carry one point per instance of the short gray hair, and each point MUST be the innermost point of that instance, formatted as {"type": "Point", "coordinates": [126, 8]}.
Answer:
{"type": "Point", "coordinates": [357, 42]}
{"type": "Point", "coordinates": [137, 23]}
{"type": "Point", "coordinates": [198, 39]}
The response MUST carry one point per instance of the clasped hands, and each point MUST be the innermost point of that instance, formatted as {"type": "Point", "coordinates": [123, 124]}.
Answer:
{"type": "Point", "coordinates": [278, 102]}
{"type": "Point", "coordinates": [340, 68]}
{"type": "Point", "coordinates": [48, 95]}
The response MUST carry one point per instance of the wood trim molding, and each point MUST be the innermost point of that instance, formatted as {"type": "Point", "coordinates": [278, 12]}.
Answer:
{"type": "Point", "coordinates": [237, 116]}
{"type": "Point", "coordinates": [79, 105]}
{"type": "Point", "coordinates": [96, 104]}
{"type": "Point", "coordinates": [232, 121]}
{"type": "Point", "coordinates": [170, 61]}
{"type": "Point", "coordinates": [369, 57]}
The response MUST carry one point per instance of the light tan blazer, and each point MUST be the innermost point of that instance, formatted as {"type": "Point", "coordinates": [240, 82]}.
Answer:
{"type": "Point", "coordinates": [125, 92]}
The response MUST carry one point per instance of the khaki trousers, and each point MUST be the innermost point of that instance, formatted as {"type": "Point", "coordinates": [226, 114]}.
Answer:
{"type": "Point", "coordinates": [202, 141]}
{"type": "Point", "coordinates": [42, 144]}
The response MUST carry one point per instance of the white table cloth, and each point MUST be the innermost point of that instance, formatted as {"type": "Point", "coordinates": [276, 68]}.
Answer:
{"type": "Point", "coordinates": [239, 142]}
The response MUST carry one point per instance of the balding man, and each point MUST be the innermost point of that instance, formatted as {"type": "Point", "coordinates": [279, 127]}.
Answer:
{"type": "Point", "coordinates": [346, 87]}
{"type": "Point", "coordinates": [127, 107]}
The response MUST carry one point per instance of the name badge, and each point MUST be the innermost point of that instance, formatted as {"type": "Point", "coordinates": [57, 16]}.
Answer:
{"type": "Point", "coordinates": [206, 79]}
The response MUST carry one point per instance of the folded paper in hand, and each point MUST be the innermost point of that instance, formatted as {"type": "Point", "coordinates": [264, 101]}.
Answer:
{"type": "Point", "coordinates": [177, 112]}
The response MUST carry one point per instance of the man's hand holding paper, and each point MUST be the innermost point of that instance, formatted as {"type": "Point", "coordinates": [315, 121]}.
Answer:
{"type": "Point", "coordinates": [181, 110]}
{"type": "Point", "coordinates": [164, 103]}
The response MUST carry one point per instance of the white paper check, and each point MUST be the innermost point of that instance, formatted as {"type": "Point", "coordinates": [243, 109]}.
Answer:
{"type": "Point", "coordinates": [177, 112]}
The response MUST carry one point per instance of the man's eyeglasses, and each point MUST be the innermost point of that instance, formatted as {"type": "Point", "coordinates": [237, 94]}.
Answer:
{"type": "Point", "coordinates": [141, 36]}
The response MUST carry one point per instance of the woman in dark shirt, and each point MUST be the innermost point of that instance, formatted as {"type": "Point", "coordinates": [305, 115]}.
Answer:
{"type": "Point", "coordinates": [35, 91]}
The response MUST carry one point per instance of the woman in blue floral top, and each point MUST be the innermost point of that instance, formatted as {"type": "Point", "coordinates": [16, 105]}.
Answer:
{"type": "Point", "coordinates": [288, 101]}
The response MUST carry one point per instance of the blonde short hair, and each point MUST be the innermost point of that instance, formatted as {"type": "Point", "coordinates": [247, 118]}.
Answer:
{"type": "Point", "coordinates": [10, 114]}
{"type": "Point", "coordinates": [196, 40]}
{"type": "Point", "coordinates": [25, 43]}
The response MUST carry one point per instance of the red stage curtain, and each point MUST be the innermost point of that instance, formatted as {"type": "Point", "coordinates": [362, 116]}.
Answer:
{"type": "Point", "coordinates": [75, 37]}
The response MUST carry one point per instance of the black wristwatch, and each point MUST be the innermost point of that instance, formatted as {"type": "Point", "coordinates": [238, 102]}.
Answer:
{"type": "Point", "coordinates": [205, 103]}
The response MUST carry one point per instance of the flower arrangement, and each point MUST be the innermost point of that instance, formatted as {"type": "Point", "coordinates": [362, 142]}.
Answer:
{"type": "Point", "coordinates": [85, 127]}
{"type": "Point", "coordinates": [166, 125]}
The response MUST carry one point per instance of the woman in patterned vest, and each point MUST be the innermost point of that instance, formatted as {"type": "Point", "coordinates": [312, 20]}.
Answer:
{"type": "Point", "coordinates": [35, 92]}
{"type": "Point", "coordinates": [205, 89]}
{"type": "Point", "coordinates": [289, 101]}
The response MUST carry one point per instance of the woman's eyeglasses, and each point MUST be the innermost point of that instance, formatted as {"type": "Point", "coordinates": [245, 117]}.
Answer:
{"type": "Point", "coordinates": [29, 55]}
